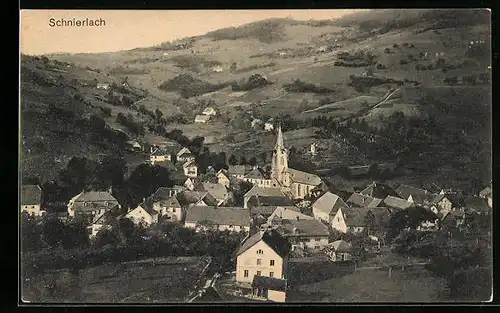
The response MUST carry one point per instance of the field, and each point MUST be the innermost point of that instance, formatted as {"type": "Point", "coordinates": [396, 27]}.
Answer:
{"type": "Point", "coordinates": [372, 286]}
{"type": "Point", "coordinates": [169, 280]}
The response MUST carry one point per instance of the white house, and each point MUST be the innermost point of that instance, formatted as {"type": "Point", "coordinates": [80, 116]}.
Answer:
{"type": "Point", "coordinates": [189, 183]}
{"type": "Point", "coordinates": [218, 191]}
{"type": "Point", "coordinates": [209, 111]}
{"type": "Point", "coordinates": [190, 169]}
{"type": "Point", "coordinates": [217, 69]}
{"type": "Point", "coordinates": [91, 203]}
{"type": "Point", "coordinates": [258, 178]}
{"type": "Point", "coordinates": [167, 205]}
{"type": "Point", "coordinates": [327, 206]}
{"type": "Point", "coordinates": [185, 155]}
{"type": "Point", "coordinates": [269, 125]}
{"type": "Point", "coordinates": [274, 193]}
{"type": "Point", "coordinates": [202, 119]}
{"type": "Point", "coordinates": [31, 200]}
{"type": "Point", "coordinates": [223, 178]}
{"type": "Point", "coordinates": [339, 251]}
{"type": "Point", "coordinates": [263, 254]}
{"type": "Point", "coordinates": [104, 86]}
{"type": "Point", "coordinates": [159, 155]}
{"type": "Point", "coordinates": [144, 214]}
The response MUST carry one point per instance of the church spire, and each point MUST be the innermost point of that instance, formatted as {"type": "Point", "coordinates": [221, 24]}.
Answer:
{"type": "Point", "coordinates": [279, 139]}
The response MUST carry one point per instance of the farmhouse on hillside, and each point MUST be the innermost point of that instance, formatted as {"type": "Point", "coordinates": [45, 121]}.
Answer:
{"type": "Point", "coordinates": [91, 203]}
{"type": "Point", "coordinates": [31, 200]}
{"type": "Point", "coordinates": [222, 218]}
{"type": "Point", "coordinates": [202, 119]}
{"type": "Point", "coordinates": [299, 184]}
{"type": "Point", "coordinates": [263, 254]}
{"type": "Point", "coordinates": [209, 111]}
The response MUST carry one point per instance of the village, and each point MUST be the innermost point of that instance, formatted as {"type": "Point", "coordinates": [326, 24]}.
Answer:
{"type": "Point", "coordinates": [284, 214]}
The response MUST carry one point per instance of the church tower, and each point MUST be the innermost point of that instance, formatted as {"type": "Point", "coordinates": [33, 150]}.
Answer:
{"type": "Point", "coordinates": [279, 165]}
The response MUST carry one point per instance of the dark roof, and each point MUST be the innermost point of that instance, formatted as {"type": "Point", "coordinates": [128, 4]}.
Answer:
{"type": "Point", "coordinates": [476, 203]}
{"type": "Point", "coordinates": [303, 227]}
{"type": "Point", "coordinates": [269, 283]}
{"type": "Point", "coordinates": [379, 191]}
{"type": "Point", "coordinates": [272, 238]}
{"type": "Point", "coordinates": [418, 194]}
{"type": "Point", "coordinates": [341, 246]}
{"type": "Point", "coordinates": [31, 195]}
{"type": "Point", "coordinates": [303, 177]}
{"type": "Point", "coordinates": [355, 217]}
{"type": "Point", "coordinates": [485, 192]}
{"type": "Point", "coordinates": [147, 205]}
{"type": "Point", "coordinates": [219, 216]}
{"type": "Point", "coordinates": [268, 192]}
{"type": "Point", "coordinates": [269, 201]}
{"type": "Point", "coordinates": [365, 201]}
{"type": "Point", "coordinates": [188, 197]}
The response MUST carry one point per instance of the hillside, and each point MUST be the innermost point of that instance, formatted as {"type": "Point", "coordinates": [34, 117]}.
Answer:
{"type": "Point", "coordinates": [346, 69]}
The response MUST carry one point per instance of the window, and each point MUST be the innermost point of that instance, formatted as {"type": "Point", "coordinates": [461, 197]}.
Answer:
{"type": "Point", "coordinates": [258, 273]}
{"type": "Point", "coordinates": [106, 203]}
{"type": "Point", "coordinates": [271, 274]}
{"type": "Point", "coordinates": [259, 261]}
{"type": "Point", "coordinates": [271, 263]}
{"type": "Point", "coordinates": [245, 273]}
{"type": "Point", "coordinates": [173, 210]}
{"type": "Point", "coordinates": [260, 251]}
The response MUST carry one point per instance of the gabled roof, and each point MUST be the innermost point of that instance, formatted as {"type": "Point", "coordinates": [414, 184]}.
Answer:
{"type": "Point", "coordinates": [272, 238]}
{"type": "Point", "coordinates": [269, 283]}
{"type": "Point", "coordinates": [104, 218]}
{"type": "Point", "coordinates": [364, 201]}
{"type": "Point", "coordinates": [218, 191]}
{"type": "Point", "coordinates": [341, 246]}
{"type": "Point", "coordinates": [162, 151]}
{"type": "Point", "coordinates": [208, 110]}
{"type": "Point", "coordinates": [189, 164]}
{"type": "Point", "coordinates": [238, 169]}
{"type": "Point", "coordinates": [476, 203]}
{"type": "Point", "coordinates": [267, 211]}
{"type": "Point", "coordinates": [269, 201]}
{"type": "Point", "coordinates": [485, 192]}
{"type": "Point", "coordinates": [95, 196]}
{"type": "Point", "coordinates": [286, 214]}
{"type": "Point", "coordinates": [418, 194]}
{"type": "Point", "coordinates": [265, 192]}
{"type": "Point", "coordinates": [163, 193]}
{"type": "Point", "coordinates": [379, 191]}
{"type": "Point", "coordinates": [202, 118]}
{"type": "Point", "coordinates": [147, 205]}
{"type": "Point", "coordinates": [303, 177]}
{"type": "Point", "coordinates": [183, 152]}
{"type": "Point", "coordinates": [189, 197]}
{"type": "Point", "coordinates": [355, 217]}
{"type": "Point", "coordinates": [31, 195]}
{"type": "Point", "coordinates": [329, 203]}
{"type": "Point", "coordinates": [218, 216]}
{"type": "Point", "coordinates": [256, 173]}
{"type": "Point", "coordinates": [397, 203]}
{"type": "Point", "coordinates": [303, 227]}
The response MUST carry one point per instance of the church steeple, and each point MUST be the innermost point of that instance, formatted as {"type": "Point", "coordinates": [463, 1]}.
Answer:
{"type": "Point", "coordinates": [279, 139]}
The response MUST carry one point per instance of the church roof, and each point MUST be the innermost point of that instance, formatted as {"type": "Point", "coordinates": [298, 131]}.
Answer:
{"type": "Point", "coordinates": [303, 177]}
{"type": "Point", "coordinates": [279, 139]}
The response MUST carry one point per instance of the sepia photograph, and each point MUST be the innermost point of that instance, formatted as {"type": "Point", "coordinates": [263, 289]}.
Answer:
{"type": "Point", "coordinates": [255, 156]}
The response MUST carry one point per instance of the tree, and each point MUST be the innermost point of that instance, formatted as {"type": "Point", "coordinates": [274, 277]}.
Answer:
{"type": "Point", "coordinates": [30, 233]}
{"type": "Point", "coordinates": [240, 190]}
{"type": "Point", "coordinates": [233, 160]}
{"type": "Point", "coordinates": [111, 171]}
{"type": "Point", "coordinates": [243, 160]}
{"type": "Point", "coordinates": [252, 161]}
{"type": "Point", "coordinates": [75, 235]}
{"type": "Point", "coordinates": [145, 179]}
{"type": "Point", "coordinates": [53, 231]}
{"type": "Point", "coordinates": [369, 220]}
{"type": "Point", "coordinates": [158, 114]}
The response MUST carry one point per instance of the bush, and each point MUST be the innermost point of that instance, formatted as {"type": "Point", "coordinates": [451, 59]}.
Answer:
{"type": "Point", "coordinates": [299, 86]}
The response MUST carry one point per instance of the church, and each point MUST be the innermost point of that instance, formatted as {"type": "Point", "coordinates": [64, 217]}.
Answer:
{"type": "Point", "coordinates": [297, 183]}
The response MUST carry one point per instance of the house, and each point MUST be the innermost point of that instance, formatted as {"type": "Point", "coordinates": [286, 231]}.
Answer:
{"type": "Point", "coordinates": [364, 201]}
{"type": "Point", "coordinates": [326, 207]}
{"type": "Point", "coordinates": [266, 201]}
{"type": "Point", "coordinates": [339, 251]}
{"type": "Point", "coordinates": [307, 234]}
{"type": "Point", "coordinates": [209, 111]}
{"type": "Point", "coordinates": [104, 220]}
{"type": "Point", "coordinates": [217, 69]}
{"type": "Point", "coordinates": [195, 198]}
{"type": "Point", "coordinates": [170, 191]}
{"type": "Point", "coordinates": [223, 178]}
{"type": "Point", "coordinates": [412, 194]}
{"type": "Point", "coordinates": [104, 86]}
{"type": "Point", "coordinates": [452, 219]}
{"type": "Point", "coordinates": [167, 205]}
{"type": "Point", "coordinates": [281, 213]}
{"type": "Point", "coordinates": [263, 254]}
{"type": "Point", "coordinates": [350, 220]}
{"type": "Point", "coordinates": [159, 155]}
{"type": "Point", "coordinates": [238, 171]}
{"type": "Point", "coordinates": [260, 214]}
{"type": "Point", "coordinates": [91, 203]}
{"type": "Point", "coordinates": [189, 183]}
{"type": "Point", "coordinates": [270, 288]}
{"type": "Point", "coordinates": [190, 169]}
{"type": "Point", "coordinates": [396, 203]}
{"type": "Point", "coordinates": [260, 194]}
{"type": "Point", "coordinates": [269, 125]}
{"type": "Point", "coordinates": [31, 200]}
{"type": "Point", "coordinates": [202, 119]}
{"type": "Point", "coordinates": [134, 145]}
{"type": "Point", "coordinates": [379, 191]}
{"type": "Point", "coordinates": [442, 204]}
{"type": "Point", "coordinates": [219, 192]}
{"type": "Point", "coordinates": [256, 123]}
{"type": "Point", "coordinates": [486, 193]}
{"type": "Point", "coordinates": [257, 177]}
{"type": "Point", "coordinates": [185, 155]}
{"type": "Point", "coordinates": [144, 213]}
{"type": "Point", "coordinates": [313, 148]}
{"type": "Point", "coordinates": [223, 218]}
